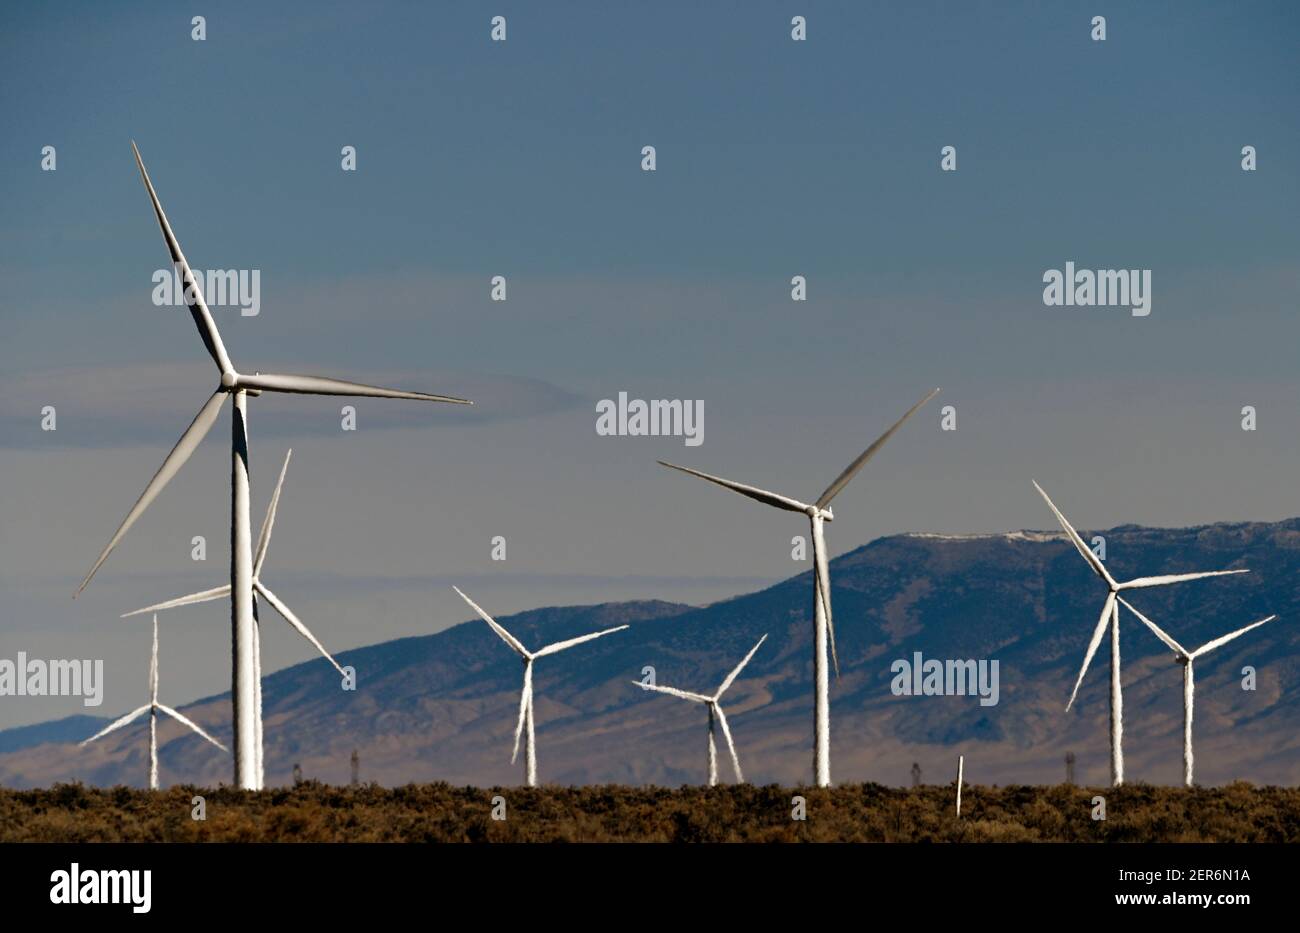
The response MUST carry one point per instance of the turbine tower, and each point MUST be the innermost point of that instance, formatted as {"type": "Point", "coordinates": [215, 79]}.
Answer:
{"type": "Point", "coordinates": [239, 386]}
{"type": "Point", "coordinates": [823, 627]}
{"type": "Point", "coordinates": [526, 695]}
{"type": "Point", "coordinates": [152, 708]}
{"type": "Point", "coordinates": [1187, 659]}
{"type": "Point", "coordinates": [714, 704]}
{"type": "Point", "coordinates": [259, 589]}
{"type": "Point", "coordinates": [1110, 614]}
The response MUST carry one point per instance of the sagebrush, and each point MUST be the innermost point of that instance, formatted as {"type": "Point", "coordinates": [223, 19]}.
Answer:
{"type": "Point", "coordinates": [315, 812]}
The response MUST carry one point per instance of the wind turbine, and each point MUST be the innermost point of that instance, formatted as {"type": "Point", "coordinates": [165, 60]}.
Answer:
{"type": "Point", "coordinates": [152, 708]}
{"type": "Point", "coordinates": [715, 712]}
{"type": "Point", "coordinates": [526, 695]}
{"type": "Point", "coordinates": [823, 627]}
{"type": "Point", "coordinates": [1110, 613]}
{"type": "Point", "coordinates": [259, 588]}
{"type": "Point", "coordinates": [1186, 659]}
{"type": "Point", "coordinates": [244, 689]}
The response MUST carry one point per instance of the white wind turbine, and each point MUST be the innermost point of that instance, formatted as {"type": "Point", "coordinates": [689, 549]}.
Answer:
{"type": "Point", "coordinates": [260, 589]}
{"type": "Point", "coordinates": [1110, 614]}
{"type": "Point", "coordinates": [526, 695]}
{"type": "Point", "coordinates": [715, 712]}
{"type": "Point", "coordinates": [823, 626]}
{"type": "Point", "coordinates": [1186, 659]}
{"type": "Point", "coordinates": [247, 729]}
{"type": "Point", "coordinates": [152, 708]}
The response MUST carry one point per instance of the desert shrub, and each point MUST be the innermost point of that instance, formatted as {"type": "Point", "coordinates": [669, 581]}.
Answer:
{"type": "Point", "coordinates": [314, 812]}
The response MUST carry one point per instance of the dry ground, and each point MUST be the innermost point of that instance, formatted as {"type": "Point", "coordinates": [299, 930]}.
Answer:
{"type": "Point", "coordinates": [852, 813]}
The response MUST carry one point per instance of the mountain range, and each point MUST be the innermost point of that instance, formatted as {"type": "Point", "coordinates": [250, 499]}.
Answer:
{"type": "Point", "coordinates": [443, 706]}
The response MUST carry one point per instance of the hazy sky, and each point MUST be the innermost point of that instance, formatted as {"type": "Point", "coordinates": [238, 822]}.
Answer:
{"type": "Point", "coordinates": [775, 158]}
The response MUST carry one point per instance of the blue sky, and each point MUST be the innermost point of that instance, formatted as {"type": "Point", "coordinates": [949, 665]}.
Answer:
{"type": "Point", "coordinates": [521, 158]}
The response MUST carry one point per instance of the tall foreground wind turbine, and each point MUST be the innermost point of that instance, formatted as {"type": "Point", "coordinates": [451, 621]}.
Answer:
{"type": "Point", "coordinates": [1186, 659]}
{"type": "Point", "coordinates": [247, 731]}
{"type": "Point", "coordinates": [260, 588]}
{"type": "Point", "coordinates": [715, 712]}
{"type": "Point", "coordinates": [823, 627]}
{"type": "Point", "coordinates": [152, 707]}
{"type": "Point", "coordinates": [1110, 614]}
{"type": "Point", "coordinates": [526, 695]}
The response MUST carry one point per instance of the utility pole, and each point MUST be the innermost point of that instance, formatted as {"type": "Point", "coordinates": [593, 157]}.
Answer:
{"type": "Point", "coordinates": [356, 768]}
{"type": "Point", "coordinates": [1069, 767]}
{"type": "Point", "coordinates": [961, 766]}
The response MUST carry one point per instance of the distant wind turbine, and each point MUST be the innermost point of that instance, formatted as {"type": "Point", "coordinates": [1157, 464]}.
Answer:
{"type": "Point", "coordinates": [823, 626]}
{"type": "Point", "coordinates": [715, 712]}
{"type": "Point", "coordinates": [1186, 659]}
{"type": "Point", "coordinates": [1110, 613]}
{"type": "Point", "coordinates": [152, 708]}
{"type": "Point", "coordinates": [247, 728]}
{"type": "Point", "coordinates": [259, 588]}
{"type": "Point", "coordinates": [526, 695]}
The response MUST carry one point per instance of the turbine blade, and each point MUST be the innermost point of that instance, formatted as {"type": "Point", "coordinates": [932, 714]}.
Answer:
{"type": "Point", "coordinates": [153, 665]}
{"type": "Point", "coordinates": [753, 492]}
{"type": "Point", "coordinates": [851, 471]}
{"type": "Point", "coordinates": [823, 587]}
{"type": "Point", "coordinates": [525, 700]}
{"type": "Point", "coordinates": [1143, 582]}
{"type": "Point", "coordinates": [1159, 632]}
{"type": "Point", "coordinates": [1092, 646]}
{"type": "Point", "coordinates": [321, 385]}
{"type": "Point", "coordinates": [197, 430]}
{"type": "Point", "coordinates": [731, 678]}
{"type": "Point", "coordinates": [731, 745]}
{"type": "Point", "coordinates": [199, 310]}
{"type": "Point", "coordinates": [293, 620]}
{"type": "Point", "coordinates": [506, 637]}
{"type": "Point", "coordinates": [117, 724]}
{"type": "Point", "coordinates": [673, 691]}
{"type": "Point", "coordinates": [264, 538]}
{"type": "Point", "coordinates": [191, 724]}
{"type": "Point", "coordinates": [203, 597]}
{"type": "Point", "coordinates": [1086, 552]}
{"type": "Point", "coordinates": [1224, 639]}
{"type": "Point", "coordinates": [569, 643]}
